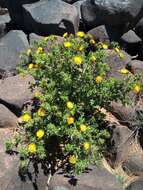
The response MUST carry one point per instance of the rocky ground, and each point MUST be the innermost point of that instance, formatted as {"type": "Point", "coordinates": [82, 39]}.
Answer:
{"type": "Point", "coordinates": [22, 22]}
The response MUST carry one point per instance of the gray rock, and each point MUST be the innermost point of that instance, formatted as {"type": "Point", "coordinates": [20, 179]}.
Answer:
{"type": "Point", "coordinates": [7, 118]}
{"type": "Point", "coordinates": [121, 13]}
{"type": "Point", "coordinates": [70, 1]}
{"type": "Point", "coordinates": [130, 38]}
{"type": "Point", "coordinates": [94, 179]}
{"type": "Point", "coordinates": [136, 185]}
{"type": "Point", "coordinates": [78, 4]}
{"type": "Point", "coordinates": [137, 66]}
{"type": "Point", "coordinates": [4, 19]}
{"type": "Point", "coordinates": [139, 28]}
{"type": "Point", "coordinates": [11, 45]}
{"type": "Point", "coordinates": [14, 92]}
{"type": "Point", "coordinates": [133, 165]}
{"type": "Point", "coordinates": [9, 176]}
{"type": "Point", "coordinates": [100, 34]}
{"type": "Point", "coordinates": [50, 17]}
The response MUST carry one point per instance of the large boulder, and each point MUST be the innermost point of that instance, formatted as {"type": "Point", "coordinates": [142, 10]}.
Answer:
{"type": "Point", "coordinates": [94, 178]}
{"type": "Point", "coordinates": [112, 12]}
{"type": "Point", "coordinates": [15, 92]}
{"type": "Point", "coordinates": [9, 175]}
{"type": "Point", "coordinates": [4, 19]}
{"type": "Point", "coordinates": [50, 17]}
{"type": "Point", "coordinates": [11, 46]}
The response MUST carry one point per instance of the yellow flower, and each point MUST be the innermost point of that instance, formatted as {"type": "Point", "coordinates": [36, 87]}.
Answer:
{"type": "Point", "coordinates": [80, 34]}
{"type": "Point", "coordinates": [137, 89]}
{"type": "Point", "coordinates": [32, 148]}
{"type": "Point", "coordinates": [117, 50]}
{"type": "Point", "coordinates": [93, 58]}
{"type": "Point", "coordinates": [67, 44]}
{"type": "Point", "coordinates": [98, 79]}
{"type": "Point", "coordinates": [39, 50]}
{"type": "Point", "coordinates": [83, 128]}
{"type": "Point", "coordinates": [92, 41]}
{"type": "Point", "coordinates": [72, 159]}
{"type": "Point", "coordinates": [40, 133]}
{"type": "Point", "coordinates": [121, 55]}
{"type": "Point", "coordinates": [70, 105]}
{"type": "Point", "coordinates": [81, 48]}
{"type": "Point", "coordinates": [25, 117]}
{"type": "Point", "coordinates": [21, 75]}
{"type": "Point", "coordinates": [37, 94]}
{"type": "Point", "coordinates": [29, 52]}
{"type": "Point", "coordinates": [70, 120]}
{"type": "Point", "coordinates": [65, 35]}
{"type": "Point", "coordinates": [104, 46]}
{"type": "Point", "coordinates": [41, 112]}
{"type": "Point", "coordinates": [31, 66]}
{"type": "Point", "coordinates": [86, 146]}
{"type": "Point", "coordinates": [124, 71]}
{"type": "Point", "coordinates": [77, 60]}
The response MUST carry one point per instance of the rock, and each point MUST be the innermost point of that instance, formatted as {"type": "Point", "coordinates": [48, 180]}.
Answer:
{"type": "Point", "coordinates": [122, 112]}
{"type": "Point", "coordinates": [70, 1]}
{"type": "Point", "coordinates": [125, 14]}
{"type": "Point", "coordinates": [9, 176]}
{"type": "Point", "coordinates": [34, 37]}
{"type": "Point", "coordinates": [50, 17]}
{"type": "Point", "coordinates": [130, 38]}
{"type": "Point", "coordinates": [139, 28]}
{"type": "Point", "coordinates": [136, 185]}
{"type": "Point", "coordinates": [136, 66]}
{"type": "Point", "coordinates": [94, 179]}
{"type": "Point", "coordinates": [11, 45]}
{"type": "Point", "coordinates": [100, 34]}
{"type": "Point", "coordinates": [133, 165]}
{"type": "Point", "coordinates": [4, 19]}
{"type": "Point", "coordinates": [112, 59]}
{"type": "Point", "coordinates": [7, 118]}
{"type": "Point", "coordinates": [14, 92]}
{"type": "Point", "coordinates": [78, 4]}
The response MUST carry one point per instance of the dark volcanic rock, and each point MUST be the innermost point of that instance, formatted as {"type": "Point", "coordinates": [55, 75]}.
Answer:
{"type": "Point", "coordinates": [136, 185]}
{"type": "Point", "coordinates": [94, 179]}
{"type": "Point", "coordinates": [7, 118]}
{"type": "Point", "coordinates": [50, 17]}
{"type": "Point", "coordinates": [100, 34]}
{"type": "Point", "coordinates": [133, 165]}
{"type": "Point", "coordinates": [11, 45]}
{"type": "Point", "coordinates": [14, 92]}
{"type": "Point", "coordinates": [121, 13]}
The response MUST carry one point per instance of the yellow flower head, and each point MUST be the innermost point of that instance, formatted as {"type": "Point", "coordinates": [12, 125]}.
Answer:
{"type": "Point", "coordinates": [93, 58]}
{"type": "Point", "coordinates": [80, 34]}
{"type": "Point", "coordinates": [46, 38]}
{"type": "Point", "coordinates": [39, 50]}
{"type": "Point", "coordinates": [65, 35]}
{"type": "Point", "coordinates": [31, 66]}
{"type": "Point", "coordinates": [25, 117]}
{"type": "Point", "coordinates": [70, 120]}
{"type": "Point", "coordinates": [92, 41]}
{"type": "Point", "coordinates": [29, 52]}
{"type": "Point", "coordinates": [41, 112]}
{"type": "Point", "coordinates": [70, 105]}
{"type": "Point", "coordinates": [37, 94]}
{"type": "Point", "coordinates": [72, 159]}
{"type": "Point", "coordinates": [121, 55]}
{"type": "Point", "coordinates": [83, 128]}
{"type": "Point", "coordinates": [77, 60]}
{"type": "Point", "coordinates": [81, 48]}
{"type": "Point", "coordinates": [117, 50]}
{"type": "Point", "coordinates": [86, 146]}
{"type": "Point", "coordinates": [137, 89]}
{"type": "Point", "coordinates": [40, 133]}
{"type": "Point", "coordinates": [104, 46]}
{"type": "Point", "coordinates": [98, 79]}
{"type": "Point", "coordinates": [67, 44]}
{"type": "Point", "coordinates": [124, 71]}
{"type": "Point", "coordinates": [32, 148]}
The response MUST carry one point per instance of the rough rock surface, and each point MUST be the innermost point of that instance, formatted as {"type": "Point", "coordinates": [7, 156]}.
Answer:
{"type": "Point", "coordinates": [11, 45]}
{"type": "Point", "coordinates": [50, 17]}
{"type": "Point", "coordinates": [136, 185]}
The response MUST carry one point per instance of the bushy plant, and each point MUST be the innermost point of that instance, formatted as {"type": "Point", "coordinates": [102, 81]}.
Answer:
{"type": "Point", "coordinates": [65, 127]}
